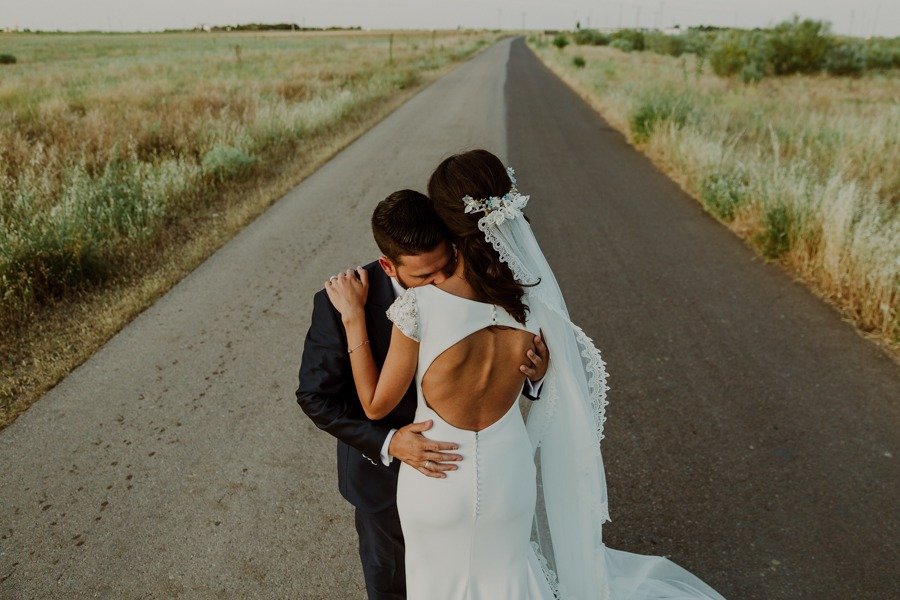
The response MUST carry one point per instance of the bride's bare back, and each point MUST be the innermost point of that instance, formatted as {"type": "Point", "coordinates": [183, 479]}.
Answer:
{"type": "Point", "coordinates": [475, 381]}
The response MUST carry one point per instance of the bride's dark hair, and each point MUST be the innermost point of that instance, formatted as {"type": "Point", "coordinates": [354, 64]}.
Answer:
{"type": "Point", "coordinates": [478, 174]}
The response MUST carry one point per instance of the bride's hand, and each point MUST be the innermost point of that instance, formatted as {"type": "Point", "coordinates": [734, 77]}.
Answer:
{"type": "Point", "coordinates": [348, 291]}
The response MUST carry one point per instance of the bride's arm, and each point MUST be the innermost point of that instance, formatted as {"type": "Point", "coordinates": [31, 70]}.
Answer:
{"type": "Point", "coordinates": [379, 393]}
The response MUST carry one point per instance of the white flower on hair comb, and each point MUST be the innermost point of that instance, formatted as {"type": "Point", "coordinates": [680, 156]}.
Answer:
{"type": "Point", "coordinates": [498, 209]}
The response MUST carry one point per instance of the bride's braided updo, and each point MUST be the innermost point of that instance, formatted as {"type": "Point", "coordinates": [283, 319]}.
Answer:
{"type": "Point", "coordinates": [478, 174]}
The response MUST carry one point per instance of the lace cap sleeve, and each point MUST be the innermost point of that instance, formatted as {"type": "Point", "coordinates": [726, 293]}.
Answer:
{"type": "Point", "coordinates": [405, 314]}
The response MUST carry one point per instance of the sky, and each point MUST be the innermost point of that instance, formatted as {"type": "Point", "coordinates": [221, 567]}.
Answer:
{"type": "Point", "coordinates": [855, 17]}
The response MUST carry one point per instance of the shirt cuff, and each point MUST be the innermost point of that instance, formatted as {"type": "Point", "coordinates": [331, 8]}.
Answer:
{"type": "Point", "coordinates": [534, 388]}
{"type": "Point", "coordinates": [385, 457]}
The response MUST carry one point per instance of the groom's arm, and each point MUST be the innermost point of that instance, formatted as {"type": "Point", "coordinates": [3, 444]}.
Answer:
{"type": "Point", "coordinates": [326, 390]}
{"type": "Point", "coordinates": [537, 359]}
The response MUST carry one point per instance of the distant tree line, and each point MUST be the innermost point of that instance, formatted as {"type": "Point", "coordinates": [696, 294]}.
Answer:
{"type": "Point", "coordinates": [273, 27]}
{"type": "Point", "coordinates": [793, 46]}
{"type": "Point", "coordinates": [244, 27]}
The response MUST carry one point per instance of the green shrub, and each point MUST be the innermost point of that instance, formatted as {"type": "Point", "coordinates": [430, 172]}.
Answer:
{"type": "Point", "coordinates": [673, 45]}
{"type": "Point", "coordinates": [883, 54]}
{"type": "Point", "coordinates": [656, 107]}
{"type": "Point", "coordinates": [48, 254]}
{"type": "Point", "coordinates": [7, 59]}
{"type": "Point", "coordinates": [578, 61]}
{"type": "Point", "coordinates": [406, 78]}
{"type": "Point", "coordinates": [775, 238]}
{"type": "Point", "coordinates": [622, 44]}
{"type": "Point", "coordinates": [47, 262]}
{"type": "Point", "coordinates": [560, 41]}
{"type": "Point", "coordinates": [752, 72]}
{"type": "Point", "coordinates": [847, 58]}
{"type": "Point", "coordinates": [743, 53]}
{"type": "Point", "coordinates": [799, 46]}
{"type": "Point", "coordinates": [635, 36]}
{"type": "Point", "coordinates": [697, 42]}
{"type": "Point", "coordinates": [727, 54]}
{"type": "Point", "coordinates": [590, 37]}
{"type": "Point", "coordinates": [724, 192]}
{"type": "Point", "coordinates": [225, 162]}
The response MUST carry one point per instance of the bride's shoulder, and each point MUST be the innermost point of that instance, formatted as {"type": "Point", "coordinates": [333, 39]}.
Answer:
{"type": "Point", "coordinates": [404, 313]}
{"type": "Point", "coordinates": [405, 301]}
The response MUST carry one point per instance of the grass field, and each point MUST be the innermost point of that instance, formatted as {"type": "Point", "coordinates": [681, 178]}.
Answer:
{"type": "Point", "coordinates": [125, 159]}
{"type": "Point", "coordinates": [104, 137]}
{"type": "Point", "coordinates": [803, 167]}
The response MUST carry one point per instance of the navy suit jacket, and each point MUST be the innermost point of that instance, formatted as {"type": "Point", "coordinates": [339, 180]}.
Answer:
{"type": "Point", "coordinates": [328, 396]}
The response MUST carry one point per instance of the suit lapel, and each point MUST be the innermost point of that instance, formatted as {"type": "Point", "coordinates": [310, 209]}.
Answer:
{"type": "Point", "coordinates": [381, 296]}
{"type": "Point", "coordinates": [381, 292]}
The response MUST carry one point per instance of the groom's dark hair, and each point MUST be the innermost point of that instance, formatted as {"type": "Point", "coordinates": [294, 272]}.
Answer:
{"type": "Point", "coordinates": [405, 224]}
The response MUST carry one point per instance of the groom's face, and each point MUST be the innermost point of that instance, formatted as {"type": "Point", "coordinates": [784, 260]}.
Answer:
{"type": "Point", "coordinates": [421, 269]}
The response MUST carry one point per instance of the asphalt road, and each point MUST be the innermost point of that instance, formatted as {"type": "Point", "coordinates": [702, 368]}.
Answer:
{"type": "Point", "coordinates": [752, 435]}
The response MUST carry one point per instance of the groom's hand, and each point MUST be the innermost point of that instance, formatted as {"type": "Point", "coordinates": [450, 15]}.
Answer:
{"type": "Point", "coordinates": [421, 453]}
{"type": "Point", "coordinates": [537, 359]}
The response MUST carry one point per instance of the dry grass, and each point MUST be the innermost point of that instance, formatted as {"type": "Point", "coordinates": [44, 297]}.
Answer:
{"type": "Point", "coordinates": [803, 168]}
{"type": "Point", "coordinates": [159, 104]}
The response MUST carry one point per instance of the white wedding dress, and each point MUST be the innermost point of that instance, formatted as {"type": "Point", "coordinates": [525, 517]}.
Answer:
{"type": "Point", "coordinates": [523, 515]}
{"type": "Point", "coordinates": [467, 535]}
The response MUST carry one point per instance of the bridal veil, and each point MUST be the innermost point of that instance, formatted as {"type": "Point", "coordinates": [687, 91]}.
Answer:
{"type": "Point", "coordinates": [565, 427]}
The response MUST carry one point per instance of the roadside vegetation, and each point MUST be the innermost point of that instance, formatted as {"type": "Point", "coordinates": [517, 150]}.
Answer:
{"type": "Point", "coordinates": [788, 136]}
{"type": "Point", "coordinates": [795, 46]}
{"type": "Point", "coordinates": [125, 159]}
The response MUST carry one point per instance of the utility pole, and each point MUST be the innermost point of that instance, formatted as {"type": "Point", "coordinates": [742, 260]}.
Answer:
{"type": "Point", "coordinates": [523, 21]}
{"type": "Point", "coordinates": [875, 20]}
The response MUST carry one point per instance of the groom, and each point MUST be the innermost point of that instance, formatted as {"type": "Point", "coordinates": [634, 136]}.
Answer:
{"type": "Point", "coordinates": [415, 251]}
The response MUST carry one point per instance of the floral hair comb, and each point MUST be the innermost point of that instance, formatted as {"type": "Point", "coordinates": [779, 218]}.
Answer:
{"type": "Point", "coordinates": [498, 209]}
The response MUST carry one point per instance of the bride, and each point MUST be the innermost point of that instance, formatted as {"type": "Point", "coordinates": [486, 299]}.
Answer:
{"type": "Point", "coordinates": [522, 516]}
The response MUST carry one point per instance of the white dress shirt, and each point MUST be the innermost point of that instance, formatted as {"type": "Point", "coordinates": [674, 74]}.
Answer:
{"type": "Point", "coordinates": [534, 390]}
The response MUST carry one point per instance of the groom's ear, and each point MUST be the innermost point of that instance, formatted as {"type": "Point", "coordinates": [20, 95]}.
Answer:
{"type": "Point", "coordinates": [387, 265]}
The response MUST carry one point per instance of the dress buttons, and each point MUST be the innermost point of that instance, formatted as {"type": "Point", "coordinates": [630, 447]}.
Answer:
{"type": "Point", "coordinates": [477, 480]}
